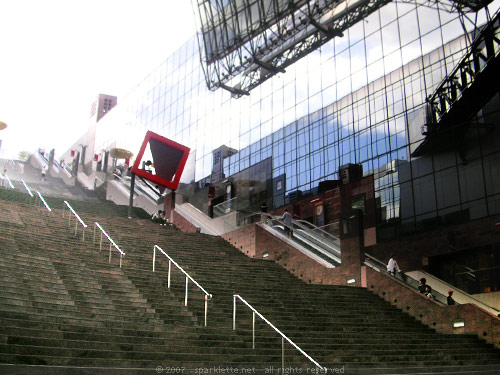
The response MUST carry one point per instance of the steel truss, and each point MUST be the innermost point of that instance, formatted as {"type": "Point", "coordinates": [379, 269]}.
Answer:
{"type": "Point", "coordinates": [239, 60]}
{"type": "Point", "coordinates": [474, 80]}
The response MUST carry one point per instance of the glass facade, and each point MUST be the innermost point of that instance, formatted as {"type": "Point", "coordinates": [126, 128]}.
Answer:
{"type": "Point", "coordinates": [358, 99]}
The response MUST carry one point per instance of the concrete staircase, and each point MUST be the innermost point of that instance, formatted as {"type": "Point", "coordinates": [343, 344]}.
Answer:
{"type": "Point", "coordinates": [63, 304]}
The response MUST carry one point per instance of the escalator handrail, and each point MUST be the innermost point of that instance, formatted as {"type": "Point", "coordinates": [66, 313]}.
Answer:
{"type": "Point", "coordinates": [316, 229]}
{"type": "Point", "coordinates": [379, 264]}
{"type": "Point", "coordinates": [318, 242]}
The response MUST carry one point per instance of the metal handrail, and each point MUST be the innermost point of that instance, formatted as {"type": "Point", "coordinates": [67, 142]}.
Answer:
{"type": "Point", "coordinates": [283, 336]}
{"type": "Point", "coordinates": [301, 233]}
{"type": "Point", "coordinates": [188, 277]}
{"type": "Point", "coordinates": [317, 229]}
{"type": "Point", "coordinates": [4, 176]}
{"type": "Point", "coordinates": [138, 189]}
{"type": "Point", "coordinates": [43, 200]}
{"type": "Point", "coordinates": [27, 188]}
{"type": "Point", "coordinates": [76, 222]}
{"type": "Point", "coordinates": [314, 231]}
{"type": "Point", "coordinates": [111, 242]}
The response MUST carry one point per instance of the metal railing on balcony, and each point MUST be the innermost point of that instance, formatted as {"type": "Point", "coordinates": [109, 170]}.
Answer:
{"type": "Point", "coordinates": [77, 219]}
{"type": "Point", "coordinates": [111, 243]}
{"type": "Point", "coordinates": [283, 336]}
{"type": "Point", "coordinates": [188, 277]}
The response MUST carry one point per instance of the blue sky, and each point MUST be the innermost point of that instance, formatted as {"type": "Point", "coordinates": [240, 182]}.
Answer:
{"type": "Point", "coordinates": [58, 55]}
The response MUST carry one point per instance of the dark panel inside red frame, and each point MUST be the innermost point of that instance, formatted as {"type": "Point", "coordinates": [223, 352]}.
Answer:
{"type": "Point", "coordinates": [169, 159]}
{"type": "Point", "coordinates": [165, 159]}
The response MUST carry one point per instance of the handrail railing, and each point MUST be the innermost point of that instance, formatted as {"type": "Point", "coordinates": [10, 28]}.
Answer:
{"type": "Point", "coordinates": [317, 233]}
{"type": "Point", "coordinates": [467, 295]}
{"type": "Point", "coordinates": [318, 230]}
{"type": "Point", "coordinates": [43, 200]}
{"type": "Point", "coordinates": [188, 277]}
{"type": "Point", "coordinates": [111, 243]}
{"type": "Point", "coordinates": [27, 188]}
{"type": "Point", "coordinates": [283, 336]}
{"type": "Point", "coordinates": [4, 176]}
{"type": "Point", "coordinates": [138, 188]}
{"type": "Point", "coordinates": [77, 218]}
{"type": "Point", "coordinates": [329, 249]}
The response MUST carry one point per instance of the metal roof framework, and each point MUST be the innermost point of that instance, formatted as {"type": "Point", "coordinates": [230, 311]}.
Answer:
{"type": "Point", "coordinates": [243, 43]}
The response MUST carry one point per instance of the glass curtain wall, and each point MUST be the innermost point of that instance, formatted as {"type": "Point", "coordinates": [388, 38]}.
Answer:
{"type": "Point", "coordinates": [358, 99]}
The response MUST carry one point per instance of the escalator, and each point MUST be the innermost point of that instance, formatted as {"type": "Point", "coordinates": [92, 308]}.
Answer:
{"type": "Point", "coordinates": [307, 238]}
{"type": "Point", "coordinates": [439, 286]}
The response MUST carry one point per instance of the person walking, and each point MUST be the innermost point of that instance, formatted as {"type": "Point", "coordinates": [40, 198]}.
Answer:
{"type": "Point", "coordinates": [449, 300]}
{"type": "Point", "coordinates": [44, 171]}
{"type": "Point", "coordinates": [392, 266]}
{"type": "Point", "coordinates": [263, 210]}
{"type": "Point", "coordinates": [287, 220]}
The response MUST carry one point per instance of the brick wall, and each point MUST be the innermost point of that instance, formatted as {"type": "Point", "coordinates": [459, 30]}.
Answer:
{"type": "Point", "coordinates": [183, 224]}
{"type": "Point", "coordinates": [244, 240]}
{"type": "Point", "coordinates": [431, 313]}
{"type": "Point", "coordinates": [169, 205]}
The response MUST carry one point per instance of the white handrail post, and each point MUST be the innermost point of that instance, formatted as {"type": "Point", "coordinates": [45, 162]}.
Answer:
{"type": "Point", "coordinates": [76, 226]}
{"type": "Point", "coordinates": [234, 313]}
{"type": "Point", "coordinates": [154, 257]}
{"type": "Point", "coordinates": [283, 354]}
{"type": "Point", "coordinates": [109, 253]}
{"type": "Point", "coordinates": [186, 297]}
{"type": "Point", "coordinates": [83, 236]}
{"type": "Point", "coordinates": [206, 307]}
{"type": "Point", "coordinates": [121, 257]}
{"type": "Point", "coordinates": [169, 268]}
{"type": "Point", "coordinates": [253, 329]}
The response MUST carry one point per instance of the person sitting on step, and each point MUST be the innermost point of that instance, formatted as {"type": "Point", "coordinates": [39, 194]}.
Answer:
{"type": "Point", "coordinates": [155, 218]}
{"type": "Point", "coordinates": [163, 218]}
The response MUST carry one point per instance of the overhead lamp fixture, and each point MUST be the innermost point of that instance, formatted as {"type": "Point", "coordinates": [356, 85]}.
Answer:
{"type": "Point", "coordinates": [265, 255]}
{"type": "Point", "coordinates": [458, 323]}
{"type": "Point", "coordinates": [351, 281]}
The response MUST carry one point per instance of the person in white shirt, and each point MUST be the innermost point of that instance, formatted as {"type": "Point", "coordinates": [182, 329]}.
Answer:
{"type": "Point", "coordinates": [44, 171]}
{"type": "Point", "coordinates": [287, 220]}
{"type": "Point", "coordinates": [392, 266]}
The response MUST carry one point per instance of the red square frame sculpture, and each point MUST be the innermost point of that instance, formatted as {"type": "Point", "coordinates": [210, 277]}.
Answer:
{"type": "Point", "coordinates": [169, 158]}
